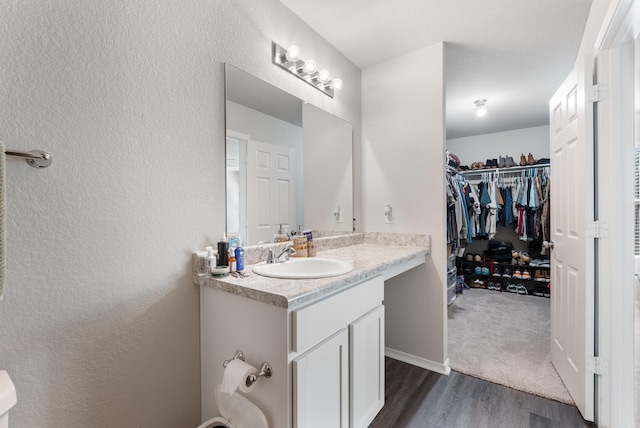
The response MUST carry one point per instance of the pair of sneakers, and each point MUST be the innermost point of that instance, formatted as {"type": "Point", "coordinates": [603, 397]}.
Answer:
{"type": "Point", "coordinates": [473, 257]}
{"type": "Point", "coordinates": [517, 288]}
{"type": "Point", "coordinates": [522, 274]}
{"type": "Point", "coordinates": [484, 271]}
{"type": "Point", "coordinates": [494, 286]}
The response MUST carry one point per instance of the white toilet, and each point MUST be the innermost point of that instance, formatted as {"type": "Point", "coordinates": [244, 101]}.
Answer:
{"type": "Point", "coordinates": [8, 398]}
{"type": "Point", "coordinates": [236, 411]}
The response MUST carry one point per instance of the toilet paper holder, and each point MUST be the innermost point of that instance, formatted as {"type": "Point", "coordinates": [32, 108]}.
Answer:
{"type": "Point", "coordinates": [265, 369]}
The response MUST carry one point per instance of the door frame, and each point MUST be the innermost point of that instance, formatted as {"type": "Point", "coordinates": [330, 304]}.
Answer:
{"type": "Point", "coordinates": [615, 210]}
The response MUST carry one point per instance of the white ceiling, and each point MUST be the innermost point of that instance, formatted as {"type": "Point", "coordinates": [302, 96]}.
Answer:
{"type": "Point", "coordinates": [514, 53]}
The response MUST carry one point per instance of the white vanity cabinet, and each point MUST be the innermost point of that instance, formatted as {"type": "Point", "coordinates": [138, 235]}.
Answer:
{"type": "Point", "coordinates": [339, 377]}
{"type": "Point", "coordinates": [327, 357]}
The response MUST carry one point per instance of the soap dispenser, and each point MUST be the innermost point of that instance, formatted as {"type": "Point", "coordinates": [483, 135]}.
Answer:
{"type": "Point", "coordinates": [280, 236]}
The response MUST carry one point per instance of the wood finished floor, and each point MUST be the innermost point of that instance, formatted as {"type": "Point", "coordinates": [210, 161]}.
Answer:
{"type": "Point", "coordinates": [419, 398]}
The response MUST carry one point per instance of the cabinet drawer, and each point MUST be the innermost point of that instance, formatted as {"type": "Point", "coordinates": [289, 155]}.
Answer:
{"type": "Point", "coordinates": [314, 323]}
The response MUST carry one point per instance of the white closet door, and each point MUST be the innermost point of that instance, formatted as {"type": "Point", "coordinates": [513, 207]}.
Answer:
{"type": "Point", "coordinates": [572, 258]}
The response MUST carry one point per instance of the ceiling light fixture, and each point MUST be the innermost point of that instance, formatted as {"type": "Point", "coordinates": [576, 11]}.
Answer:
{"type": "Point", "coordinates": [481, 110]}
{"type": "Point", "coordinates": [307, 70]}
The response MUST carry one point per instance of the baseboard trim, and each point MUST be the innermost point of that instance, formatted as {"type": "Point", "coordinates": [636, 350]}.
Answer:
{"type": "Point", "coordinates": [442, 368]}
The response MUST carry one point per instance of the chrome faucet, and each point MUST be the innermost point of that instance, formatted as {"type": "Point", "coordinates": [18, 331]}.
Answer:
{"type": "Point", "coordinates": [288, 251]}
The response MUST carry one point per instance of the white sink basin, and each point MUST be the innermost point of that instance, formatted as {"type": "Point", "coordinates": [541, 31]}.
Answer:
{"type": "Point", "coordinates": [304, 268]}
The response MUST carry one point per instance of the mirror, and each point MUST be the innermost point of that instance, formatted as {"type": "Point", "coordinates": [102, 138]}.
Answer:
{"type": "Point", "coordinates": [288, 163]}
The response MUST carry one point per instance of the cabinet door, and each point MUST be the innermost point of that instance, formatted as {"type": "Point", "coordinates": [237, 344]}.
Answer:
{"type": "Point", "coordinates": [321, 384]}
{"type": "Point", "coordinates": [367, 367]}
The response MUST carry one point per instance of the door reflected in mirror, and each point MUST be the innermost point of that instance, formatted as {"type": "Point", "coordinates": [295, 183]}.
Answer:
{"type": "Point", "coordinates": [288, 163]}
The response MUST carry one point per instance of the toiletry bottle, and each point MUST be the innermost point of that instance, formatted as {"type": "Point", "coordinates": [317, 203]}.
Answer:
{"type": "Point", "coordinates": [232, 261]}
{"type": "Point", "coordinates": [239, 257]}
{"type": "Point", "coordinates": [311, 245]}
{"type": "Point", "coordinates": [210, 260]}
{"type": "Point", "coordinates": [223, 251]}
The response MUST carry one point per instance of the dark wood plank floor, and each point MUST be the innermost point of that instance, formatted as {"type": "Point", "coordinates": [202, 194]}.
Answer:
{"type": "Point", "coordinates": [419, 398]}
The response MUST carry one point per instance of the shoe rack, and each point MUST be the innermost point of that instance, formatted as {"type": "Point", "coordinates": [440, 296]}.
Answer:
{"type": "Point", "coordinates": [516, 281]}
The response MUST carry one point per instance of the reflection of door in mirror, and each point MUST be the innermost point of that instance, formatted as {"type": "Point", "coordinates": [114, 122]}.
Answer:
{"type": "Point", "coordinates": [237, 183]}
{"type": "Point", "coordinates": [263, 192]}
{"type": "Point", "coordinates": [271, 178]}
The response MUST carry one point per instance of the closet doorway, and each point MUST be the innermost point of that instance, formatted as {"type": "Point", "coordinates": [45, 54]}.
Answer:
{"type": "Point", "coordinates": [499, 328]}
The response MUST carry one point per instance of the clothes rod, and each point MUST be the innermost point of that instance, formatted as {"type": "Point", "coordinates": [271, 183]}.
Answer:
{"type": "Point", "coordinates": [504, 170]}
{"type": "Point", "coordinates": [35, 158]}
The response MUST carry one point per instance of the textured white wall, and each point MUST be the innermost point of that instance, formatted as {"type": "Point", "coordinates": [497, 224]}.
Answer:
{"type": "Point", "coordinates": [99, 326]}
{"type": "Point", "coordinates": [403, 165]}
{"type": "Point", "coordinates": [479, 148]}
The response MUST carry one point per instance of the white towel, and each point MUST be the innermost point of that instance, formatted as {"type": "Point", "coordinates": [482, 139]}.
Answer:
{"type": "Point", "coordinates": [3, 219]}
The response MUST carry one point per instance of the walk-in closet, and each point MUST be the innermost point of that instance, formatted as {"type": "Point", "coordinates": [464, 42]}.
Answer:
{"type": "Point", "coordinates": [499, 281]}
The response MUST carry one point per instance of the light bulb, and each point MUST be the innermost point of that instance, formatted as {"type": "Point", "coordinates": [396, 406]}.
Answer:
{"type": "Point", "coordinates": [323, 76]}
{"type": "Point", "coordinates": [309, 66]}
{"type": "Point", "coordinates": [336, 84]}
{"type": "Point", "coordinates": [293, 53]}
{"type": "Point", "coordinates": [480, 108]}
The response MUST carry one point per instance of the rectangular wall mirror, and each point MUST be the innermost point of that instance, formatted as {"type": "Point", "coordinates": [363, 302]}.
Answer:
{"type": "Point", "coordinates": [288, 163]}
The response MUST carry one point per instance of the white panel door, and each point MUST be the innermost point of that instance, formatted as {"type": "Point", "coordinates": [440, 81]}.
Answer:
{"type": "Point", "coordinates": [321, 384]}
{"type": "Point", "coordinates": [366, 355]}
{"type": "Point", "coordinates": [271, 197]}
{"type": "Point", "coordinates": [572, 257]}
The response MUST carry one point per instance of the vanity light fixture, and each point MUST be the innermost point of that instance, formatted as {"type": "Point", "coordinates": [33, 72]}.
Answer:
{"type": "Point", "coordinates": [307, 70]}
{"type": "Point", "coordinates": [481, 110]}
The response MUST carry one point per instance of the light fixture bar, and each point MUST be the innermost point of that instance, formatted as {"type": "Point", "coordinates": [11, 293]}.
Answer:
{"type": "Point", "coordinates": [305, 70]}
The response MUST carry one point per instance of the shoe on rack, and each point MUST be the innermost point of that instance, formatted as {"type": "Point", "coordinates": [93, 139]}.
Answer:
{"type": "Point", "coordinates": [547, 275]}
{"type": "Point", "coordinates": [515, 254]}
{"type": "Point", "coordinates": [502, 162]}
{"type": "Point", "coordinates": [547, 291]}
{"type": "Point", "coordinates": [485, 271]}
{"type": "Point", "coordinates": [514, 262]}
{"type": "Point", "coordinates": [522, 289]}
{"type": "Point", "coordinates": [517, 274]}
{"type": "Point", "coordinates": [525, 257]}
{"type": "Point", "coordinates": [526, 274]}
{"type": "Point", "coordinates": [477, 283]}
{"type": "Point", "coordinates": [497, 272]}
{"type": "Point", "coordinates": [509, 162]}
{"type": "Point", "coordinates": [512, 288]}
{"type": "Point", "coordinates": [538, 275]}
{"type": "Point", "coordinates": [530, 159]}
{"type": "Point", "coordinates": [539, 291]}
{"type": "Point", "coordinates": [506, 272]}
{"type": "Point", "coordinates": [467, 269]}
{"type": "Point", "coordinates": [477, 258]}
{"type": "Point", "coordinates": [523, 160]}
{"type": "Point", "coordinates": [474, 166]}
{"type": "Point", "coordinates": [478, 270]}
{"type": "Point", "coordinates": [468, 257]}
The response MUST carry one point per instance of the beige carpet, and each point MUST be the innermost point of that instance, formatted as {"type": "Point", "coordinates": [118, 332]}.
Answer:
{"type": "Point", "coordinates": [505, 338]}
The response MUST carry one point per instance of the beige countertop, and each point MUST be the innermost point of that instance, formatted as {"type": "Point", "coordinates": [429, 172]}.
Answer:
{"type": "Point", "coordinates": [369, 260]}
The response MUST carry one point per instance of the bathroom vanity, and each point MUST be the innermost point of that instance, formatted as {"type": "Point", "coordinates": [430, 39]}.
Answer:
{"type": "Point", "coordinates": [324, 338]}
